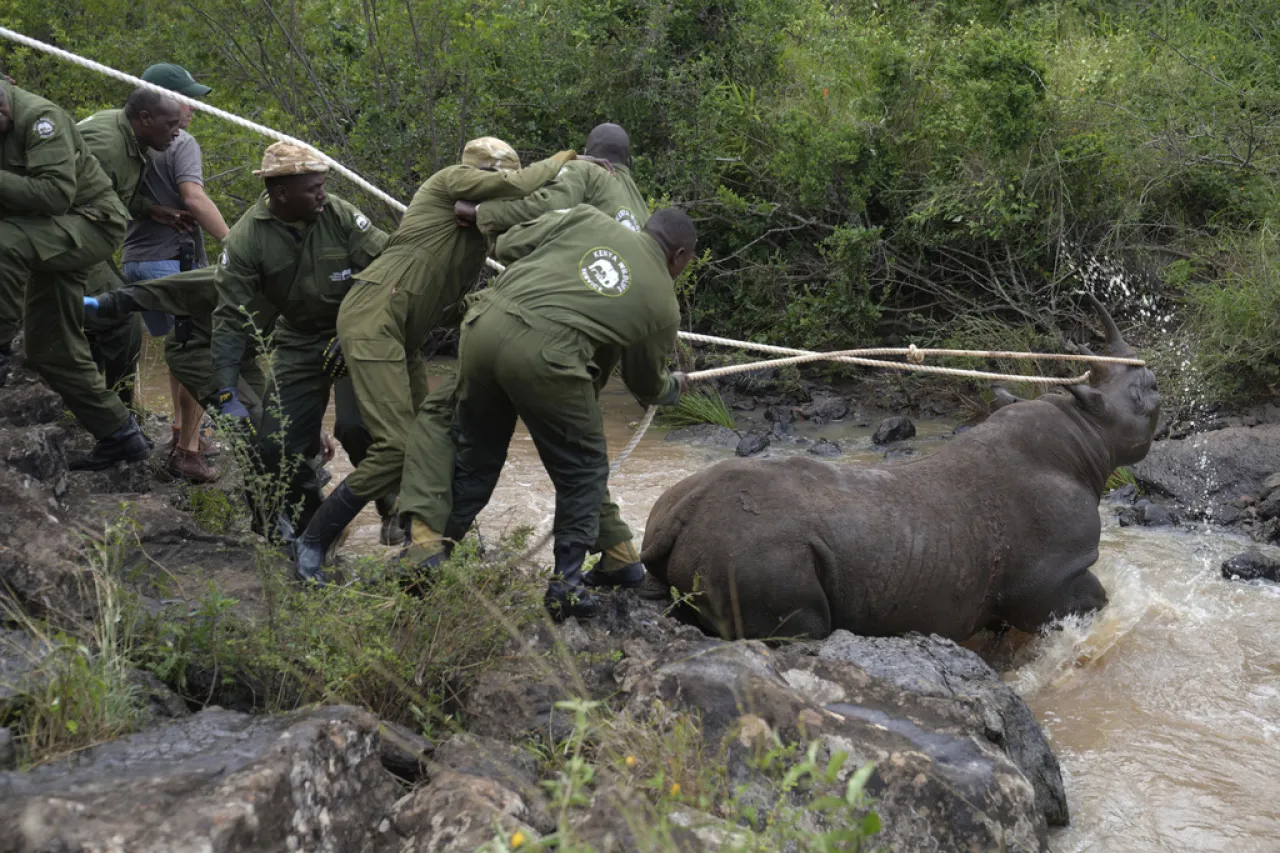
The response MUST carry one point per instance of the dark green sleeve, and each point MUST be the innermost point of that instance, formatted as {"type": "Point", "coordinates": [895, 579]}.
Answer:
{"type": "Point", "coordinates": [481, 185]}
{"type": "Point", "coordinates": [644, 368]}
{"type": "Point", "coordinates": [237, 281]}
{"type": "Point", "coordinates": [140, 206]}
{"type": "Point", "coordinates": [568, 189]}
{"type": "Point", "coordinates": [49, 187]}
{"type": "Point", "coordinates": [523, 239]}
{"type": "Point", "coordinates": [192, 293]}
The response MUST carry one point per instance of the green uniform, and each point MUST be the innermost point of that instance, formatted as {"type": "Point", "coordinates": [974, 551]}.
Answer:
{"type": "Point", "coordinates": [194, 294]}
{"type": "Point", "coordinates": [59, 217]}
{"type": "Point", "coordinates": [577, 282]}
{"type": "Point", "coordinates": [116, 344]}
{"type": "Point", "coordinates": [303, 271]}
{"type": "Point", "coordinates": [427, 491]}
{"type": "Point", "coordinates": [427, 266]}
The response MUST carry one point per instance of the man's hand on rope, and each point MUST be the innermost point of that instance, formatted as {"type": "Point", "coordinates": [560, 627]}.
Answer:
{"type": "Point", "coordinates": [333, 362]}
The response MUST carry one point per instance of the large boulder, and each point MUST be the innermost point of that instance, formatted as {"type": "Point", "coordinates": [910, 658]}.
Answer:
{"type": "Point", "coordinates": [217, 781]}
{"type": "Point", "coordinates": [1208, 470]}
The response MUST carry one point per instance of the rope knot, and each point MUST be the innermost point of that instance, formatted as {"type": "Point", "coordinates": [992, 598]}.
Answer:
{"type": "Point", "coordinates": [914, 356]}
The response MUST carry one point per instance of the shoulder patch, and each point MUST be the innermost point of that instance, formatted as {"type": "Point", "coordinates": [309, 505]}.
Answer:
{"type": "Point", "coordinates": [362, 222]}
{"type": "Point", "coordinates": [43, 127]}
{"type": "Point", "coordinates": [627, 218]}
{"type": "Point", "coordinates": [604, 271]}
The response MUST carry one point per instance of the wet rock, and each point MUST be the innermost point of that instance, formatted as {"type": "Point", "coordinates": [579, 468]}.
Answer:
{"type": "Point", "coordinates": [1226, 515]}
{"type": "Point", "coordinates": [826, 448]}
{"type": "Point", "coordinates": [456, 813]}
{"type": "Point", "coordinates": [752, 443]}
{"type": "Point", "coordinates": [897, 428]}
{"type": "Point", "coordinates": [899, 453]}
{"type": "Point", "coordinates": [1204, 471]}
{"type": "Point", "coordinates": [403, 752]}
{"type": "Point", "coordinates": [745, 405]}
{"type": "Point", "coordinates": [780, 414]}
{"type": "Point", "coordinates": [159, 703]}
{"type": "Point", "coordinates": [218, 781]}
{"type": "Point", "coordinates": [705, 435]}
{"type": "Point", "coordinates": [1252, 565]}
{"type": "Point", "coordinates": [757, 382]}
{"type": "Point", "coordinates": [1144, 513]}
{"type": "Point", "coordinates": [616, 817]}
{"type": "Point", "coordinates": [1269, 507]}
{"type": "Point", "coordinates": [1270, 484]}
{"type": "Point", "coordinates": [782, 429]}
{"type": "Point", "coordinates": [932, 668]}
{"type": "Point", "coordinates": [941, 781]}
{"type": "Point", "coordinates": [1125, 494]}
{"type": "Point", "coordinates": [824, 409]}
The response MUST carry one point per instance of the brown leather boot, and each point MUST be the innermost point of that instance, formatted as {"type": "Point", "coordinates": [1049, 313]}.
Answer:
{"type": "Point", "coordinates": [190, 465]}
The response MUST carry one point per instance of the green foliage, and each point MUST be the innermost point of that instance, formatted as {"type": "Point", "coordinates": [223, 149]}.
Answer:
{"type": "Point", "coordinates": [370, 644]}
{"type": "Point", "coordinates": [79, 689]}
{"type": "Point", "coordinates": [858, 170]}
{"type": "Point", "coordinates": [213, 508]}
{"type": "Point", "coordinates": [1120, 477]}
{"type": "Point", "coordinates": [703, 406]}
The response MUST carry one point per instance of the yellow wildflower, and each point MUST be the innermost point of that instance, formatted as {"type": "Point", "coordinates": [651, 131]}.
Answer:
{"type": "Point", "coordinates": [517, 839]}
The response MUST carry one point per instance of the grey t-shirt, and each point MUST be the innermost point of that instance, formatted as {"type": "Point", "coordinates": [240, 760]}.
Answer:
{"type": "Point", "coordinates": [150, 241]}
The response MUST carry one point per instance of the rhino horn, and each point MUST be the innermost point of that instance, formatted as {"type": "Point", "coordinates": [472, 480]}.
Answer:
{"type": "Point", "coordinates": [1115, 343]}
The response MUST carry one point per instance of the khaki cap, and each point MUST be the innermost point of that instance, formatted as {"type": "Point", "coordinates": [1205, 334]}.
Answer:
{"type": "Point", "coordinates": [489, 152]}
{"type": "Point", "coordinates": [284, 158]}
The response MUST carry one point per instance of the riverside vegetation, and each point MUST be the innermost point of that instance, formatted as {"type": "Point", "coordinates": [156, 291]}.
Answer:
{"type": "Point", "coordinates": [945, 172]}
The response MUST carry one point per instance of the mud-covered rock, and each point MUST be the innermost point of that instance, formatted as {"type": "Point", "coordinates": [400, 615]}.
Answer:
{"type": "Point", "coordinates": [1252, 565]}
{"type": "Point", "coordinates": [37, 550]}
{"type": "Point", "coordinates": [897, 428]}
{"type": "Point", "coordinates": [705, 435]}
{"type": "Point", "coordinates": [32, 403]}
{"type": "Point", "coordinates": [752, 443]}
{"type": "Point", "coordinates": [509, 766]}
{"type": "Point", "coordinates": [35, 451]}
{"type": "Point", "coordinates": [1144, 513]}
{"type": "Point", "coordinates": [218, 781]}
{"type": "Point", "coordinates": [825, 409]}
{"type": "Point", "coordinates": [825, 448]}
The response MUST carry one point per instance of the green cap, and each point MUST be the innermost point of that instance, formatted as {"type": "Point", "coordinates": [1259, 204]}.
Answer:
{"type": "Point", "coordinates": [175, 78]}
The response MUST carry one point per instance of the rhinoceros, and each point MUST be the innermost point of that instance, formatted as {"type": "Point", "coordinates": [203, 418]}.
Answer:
{"type": "Point", "coordinates": [998, 527]}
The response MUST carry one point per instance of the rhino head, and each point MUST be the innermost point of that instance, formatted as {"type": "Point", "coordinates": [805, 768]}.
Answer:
{"type": "Point", "coordinates": [1121, 400]}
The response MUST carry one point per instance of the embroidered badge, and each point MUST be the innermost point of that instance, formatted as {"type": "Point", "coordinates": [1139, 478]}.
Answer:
{"type": "Point", "coordinates": [43, 128]}
{"type": "Point", "coordinates": [605, 272]}
{"type": "Point", "coordinates": [627, 218]}
{"type": "Point", "coordinates": [362, 222]}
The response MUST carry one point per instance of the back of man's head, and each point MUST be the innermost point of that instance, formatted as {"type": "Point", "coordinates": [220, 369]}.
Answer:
{"type": "Point", "coordinates": [673, 228]}
{"type": "Point", "coordinates": [609, 142]}
{"type": "Point", "coordinates": [147, 100]}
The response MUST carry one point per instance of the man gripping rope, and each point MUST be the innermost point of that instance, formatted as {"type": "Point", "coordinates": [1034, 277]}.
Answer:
{"type": "Point", "coordinates": [578, 281]}
{"type": "Point", "coordinates": [384, 322]}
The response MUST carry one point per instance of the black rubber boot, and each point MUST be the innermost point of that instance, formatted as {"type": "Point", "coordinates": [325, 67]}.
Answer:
{"type": "Point", "coordinates": [567, 595]}
{"type": "Point", "coordinates": [392, 533]}
{"type": "Point", "coordinates": [330, 519]}
{"type": "Point", "coordinates": [126, 444]}
{"type": "Point", "coordinates": [629, 576]}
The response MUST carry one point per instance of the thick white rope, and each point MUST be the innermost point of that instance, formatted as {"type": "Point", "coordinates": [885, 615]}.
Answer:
{"type": "Point", "coordinates": [203, 107]}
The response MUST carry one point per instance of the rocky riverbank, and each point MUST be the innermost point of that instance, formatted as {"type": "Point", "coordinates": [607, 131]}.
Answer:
{"type": "Point", "coordinates": [629, 732]}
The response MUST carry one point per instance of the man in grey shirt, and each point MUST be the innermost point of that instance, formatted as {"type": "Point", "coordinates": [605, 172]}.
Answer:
{"type": "Point", "coordinates": [175, 179]}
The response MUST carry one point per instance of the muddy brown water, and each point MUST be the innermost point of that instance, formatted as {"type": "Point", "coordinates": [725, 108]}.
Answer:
{"type": "Point", "coordinates": [1164, 710]}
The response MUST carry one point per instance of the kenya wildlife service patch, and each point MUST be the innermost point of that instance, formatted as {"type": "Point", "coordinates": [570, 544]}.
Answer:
{"type": "Point", "coordinates": [627, 218]}
{"type": "Point", "coordinates": [43, 128]}
{"type": "Point", "coordinates": [605, 272]}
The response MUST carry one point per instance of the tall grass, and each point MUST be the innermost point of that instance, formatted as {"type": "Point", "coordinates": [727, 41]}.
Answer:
{"type": "Point", "coordinates": [704, 406]}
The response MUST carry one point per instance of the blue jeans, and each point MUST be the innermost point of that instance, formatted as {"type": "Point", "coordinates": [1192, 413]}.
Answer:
{"type": "Point", "coordinates": [158, 323]}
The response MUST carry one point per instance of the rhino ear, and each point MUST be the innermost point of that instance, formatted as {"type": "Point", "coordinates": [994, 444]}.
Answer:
{"type": "Point", "coordinates": [1090, 399]}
